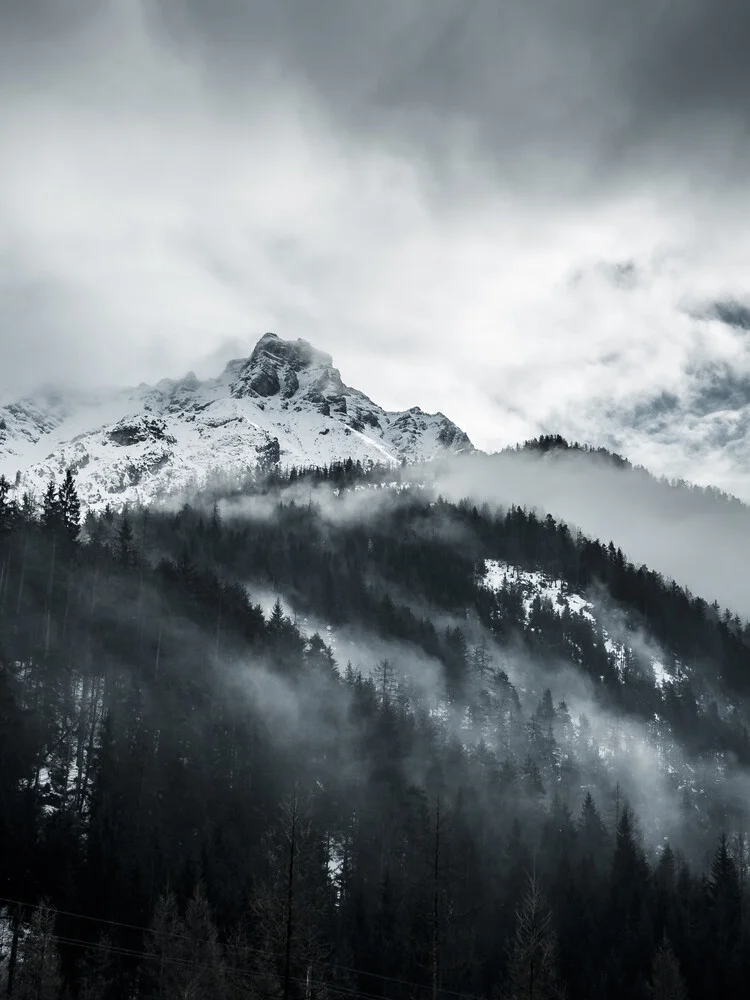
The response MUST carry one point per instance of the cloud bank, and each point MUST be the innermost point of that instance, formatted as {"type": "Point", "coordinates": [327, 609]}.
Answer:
{"type": "Point", "coordinates": [700, 541]}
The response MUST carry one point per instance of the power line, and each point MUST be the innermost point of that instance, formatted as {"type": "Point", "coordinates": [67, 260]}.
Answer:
{"type": "Point", "coordinates": [246, 948]}
{"type": "Point", "coordinates": [198, 966]}
{"type": "Point", "coordinates": [334, 987]}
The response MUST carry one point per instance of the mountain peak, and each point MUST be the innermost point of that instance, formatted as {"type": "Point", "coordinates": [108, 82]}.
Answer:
{"type": "Point", "coordinates": [285, 400]}
{"type": "Point", "coordinates": [298, 353]}
{"type": "Point", "coordinates": [274, 369]}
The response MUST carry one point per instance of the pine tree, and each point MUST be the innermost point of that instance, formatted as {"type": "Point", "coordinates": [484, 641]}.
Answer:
{"type": "Point", "coordinates": [215, 523]}
{"type": "Point", "coordinates": [29, 510]}
{"type": "Point", "coordinates": [290, 903]}
{"type": "Point", "coordinates": [277, 620]}
{"type": "Point", "coordinates": [203, 971]}
{"type": "Point", "coordinates": [7, 507]}
{"type": "Point", "coordinates": [724, 894]}
{"type": "Point", "coordinates": [593, 839]}
{"type": "Point", "coordinates": [51, 508]}
{"type": "Point", "coordinates": [545, 710]}
{"type": "Point", "coordinates": [481, 660]}
{"type": "Point", "coordinates": [125, 541]}
{"type": "Point", "coordinates": [165, 946]}
{"type": "Point", "coordinates": [666, 870]}
{"type": "Point", "coordinates": [630, 871]}
{"type": "Point", "coordinates": [69, 506]}
{"type": "Point", "coordinates": [318, 656]}
{"type": "Point", "coordinates": [456, 659]}
{"type": "Point", "coordinates": [532, 973]}
{"type": "Point", "coordinates": [666, 979]}
{"type": "Point", "coordinates": [38, 976]}
{"type": "Point", "coordinates": [97, 973]}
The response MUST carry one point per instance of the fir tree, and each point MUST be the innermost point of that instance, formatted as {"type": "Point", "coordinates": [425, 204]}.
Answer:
{"type": "Point", "coordinates": [125, 541]}
{"type": "Point", "coordinates": [29, 510]}
{"type": "Point", "coordinates": [69, 507]}
{"type": "Point", "coordinates": [51, 516]}
{"type": "Point", "coordinates": [593, 839]}
{"type": "Point", "coordinates": [277, 620]}
{"type": "Point", "coordinates": [666, 979]}
{"type": "Point", "coordinates": [97, 974]}
{"type": "Point", "coordinates": [165, 945]}
{"type": "Point", "coordinates": [38, 976]}
{"type": "Point", "coordinates": [725, 896]}
{"type": "Point", "coordinates": [203, 970]}
{"type": "Point", "coordinates": [7, 507]}
{"type": "Point", "coordinates": [532, 972]}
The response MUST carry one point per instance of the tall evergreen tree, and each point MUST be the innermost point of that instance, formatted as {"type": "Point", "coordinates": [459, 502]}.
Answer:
{"type": "Point", "coordinates": [97, 971]}
{"type": "Point", "coordinates": [7, 507]}
{"type": "Point", "coordinates": [51, 514]}
{"type": "Point", "coordinates": [532, 971]}
{"type": "Point", "coordinates": [165, 945]}
{"type": "Point", "coordinates": [725, 896]}
{"type": "Point", "coordinates": [69, 506]}
{"type": "Point", "coordinates": [666, 979]}
{"type": "Point", "coordinates": [125, 541]}
{"type": "Point", "coordinates": [38, 976]}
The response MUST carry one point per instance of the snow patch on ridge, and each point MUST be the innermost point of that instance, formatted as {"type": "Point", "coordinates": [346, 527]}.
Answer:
{"type": "Point", "coordinates": [499, 575]}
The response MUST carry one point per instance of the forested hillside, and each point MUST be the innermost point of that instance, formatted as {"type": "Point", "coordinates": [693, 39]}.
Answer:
{"type": "Point", "coordinates": [697, 535]}
{"type": "Point", "coordinates": [330, 735]}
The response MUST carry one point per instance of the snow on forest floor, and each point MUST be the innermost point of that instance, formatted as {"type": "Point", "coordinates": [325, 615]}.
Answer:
{"type": "Point", "coordinates": [499, 575]}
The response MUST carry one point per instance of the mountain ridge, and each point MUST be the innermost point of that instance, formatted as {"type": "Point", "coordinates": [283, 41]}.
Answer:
{"type": "Point", "coordinates": [284, 404]}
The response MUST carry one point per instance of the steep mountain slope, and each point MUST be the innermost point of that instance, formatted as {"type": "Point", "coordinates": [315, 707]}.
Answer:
{"type": "Point", "coordinates": [286, 403]}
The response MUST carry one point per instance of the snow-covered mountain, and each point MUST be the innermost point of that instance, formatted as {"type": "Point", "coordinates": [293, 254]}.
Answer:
{"type": "Point", "coordinates": [284, 403]}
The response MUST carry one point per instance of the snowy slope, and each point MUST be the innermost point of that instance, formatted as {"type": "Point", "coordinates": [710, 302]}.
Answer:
{"type": "Point", "coordinates": [619, 640]}
{"type": "Point", "coordinates": [284, 403]}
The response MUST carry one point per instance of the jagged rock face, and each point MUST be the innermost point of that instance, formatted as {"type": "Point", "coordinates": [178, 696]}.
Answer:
{"type": "Point", "coordinates": [453, 438]}
{"type": "Point", "coordinates": [129, 432]}
{"type": "Point", "coordinates": [286, 404]}
{"type": "Point", "coordinates": [297, 354]}
{"type": "Point", "coordinates": [274, 365]}
{"type": "Point", "coordinates": [409, 430]}
{"type": "Point", "coordinates": [293, 370]}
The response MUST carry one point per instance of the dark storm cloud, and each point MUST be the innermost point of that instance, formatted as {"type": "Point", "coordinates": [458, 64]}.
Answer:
{"type": "Point", "coordinates": [562, 93]}
{"type": "Point", "coordinates": [717, 388]}
{"type": "Point", "coordinates": [655, 413]}
{"type": "Point", "coordinates": [603, 84]}
{"type": "Point", "coordinates": [693, 58]}
{"type": "Point", "coordinates": [732, 313]}
{"type": "Point", "coordinates": [714, 389]}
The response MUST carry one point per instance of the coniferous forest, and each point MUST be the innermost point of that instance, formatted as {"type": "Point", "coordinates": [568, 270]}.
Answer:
{"type": "Point", "coordinates": [285, 742]}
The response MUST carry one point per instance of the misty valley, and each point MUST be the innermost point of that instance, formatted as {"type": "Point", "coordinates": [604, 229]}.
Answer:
{"type": "Point", "coordinates": [324, 732]}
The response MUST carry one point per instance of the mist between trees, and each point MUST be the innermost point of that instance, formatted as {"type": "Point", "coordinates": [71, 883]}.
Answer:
{"type": "Point", "coordinates": [698, 536]}
{"type": "Point", "coordinates": [454, 794]}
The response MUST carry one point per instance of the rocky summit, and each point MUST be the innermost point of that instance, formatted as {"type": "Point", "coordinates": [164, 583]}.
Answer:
{"type": "Point", "coordinates": [285, 404]}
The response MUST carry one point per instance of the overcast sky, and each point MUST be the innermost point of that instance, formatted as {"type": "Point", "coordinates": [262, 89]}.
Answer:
{"type": "Point", "coordinates": [529, 214]}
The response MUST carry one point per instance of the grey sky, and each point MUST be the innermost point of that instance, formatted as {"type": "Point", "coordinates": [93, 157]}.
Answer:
{"type": "Point", "coordinates": [528, 214]}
